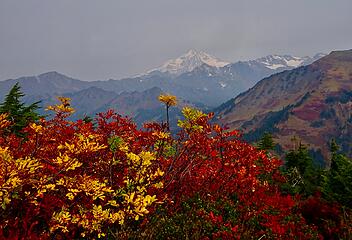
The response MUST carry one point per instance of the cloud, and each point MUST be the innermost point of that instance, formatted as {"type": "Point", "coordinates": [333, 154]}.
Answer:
{"type": "Point", "coordinates": [115, 38]}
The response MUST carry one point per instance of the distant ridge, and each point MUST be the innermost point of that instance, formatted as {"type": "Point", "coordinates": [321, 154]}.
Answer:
{"type": "Point", "coordinates": [313, 103]}
{"type": "Point", "coordinates": [201, 79]}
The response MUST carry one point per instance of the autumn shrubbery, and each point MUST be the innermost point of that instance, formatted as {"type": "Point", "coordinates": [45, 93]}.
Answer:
{"type": "Point", "coordinates": [107, 179]}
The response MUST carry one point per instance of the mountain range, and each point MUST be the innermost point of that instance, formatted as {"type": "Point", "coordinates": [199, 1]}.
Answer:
{"type": "Point", "coordinates": [141, 106]}
{"type": "Point", "coordinates": [311, 103]}
{"type": "Point", "coordinates": [305, 98]}
{"type": "Point", "coordinates": [196, 77]}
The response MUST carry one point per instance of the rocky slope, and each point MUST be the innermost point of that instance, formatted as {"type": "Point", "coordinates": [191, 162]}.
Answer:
{"type": "Point", "coordinates": [313, 103]}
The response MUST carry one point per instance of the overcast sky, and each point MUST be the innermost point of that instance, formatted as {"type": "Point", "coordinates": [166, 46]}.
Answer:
{"type": "Point", "coordinates": [102, 39]}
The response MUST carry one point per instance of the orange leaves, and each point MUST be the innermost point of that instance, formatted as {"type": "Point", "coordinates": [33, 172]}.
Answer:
{"type": "Point", "coordinates": [76, 179]}
{"type": "Point", "coordinates": [85, 180]}
{"type": "Point", "coordinates": [168, 100]}
{"type": "Point", "coordinates": [4, 123]}
{"type": "Point", "coordinates": [63, 107]}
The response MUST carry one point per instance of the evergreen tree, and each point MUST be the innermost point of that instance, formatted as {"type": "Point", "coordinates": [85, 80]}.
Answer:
{"type": "Point", "coordinates": [338, 182]}
{"type": "Point", "coordinates": [300, 159]}
{"type": "Point", "coordinates": [334, 147]}
{"type": "Point", "coordinates": [266, 142]}
{"type": "Point", "coordinates": [19, 114]}
{"type": "Point", "coordinates": [305, 178]}
{"type": "Point", "coordinates": [335, 157]}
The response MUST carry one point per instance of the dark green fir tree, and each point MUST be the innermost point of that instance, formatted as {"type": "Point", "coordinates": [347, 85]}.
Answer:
{"type": "Point", "coordinates": [266, 142]}
{"type": "Point", "coordinates": [18, 113]}
{"type": "Point", "coordinates": [303, 175]}
{"type": "Point", "coordinates": [338, 182]}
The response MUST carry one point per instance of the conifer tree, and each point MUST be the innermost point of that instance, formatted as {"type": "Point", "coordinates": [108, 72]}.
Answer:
{"type": "Point", "coordinates": [266, 142]}
{"type": "Point", "coordinates": [304, 175]}
{"type": "Point", "coordinates": [300, 159]}
{"type": "Point", "coordinates": [18, 113]}
{"type": "Point", "coordinates": [338, 183]}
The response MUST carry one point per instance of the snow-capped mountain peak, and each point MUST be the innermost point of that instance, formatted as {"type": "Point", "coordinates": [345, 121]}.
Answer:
{"type": "Point", "coordinates": [189, 61]}
{"type": "Point", "coordinates": [286, 61]}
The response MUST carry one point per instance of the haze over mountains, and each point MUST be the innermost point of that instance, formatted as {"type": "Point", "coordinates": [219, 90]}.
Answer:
{"type": "Point", "coordinates": [195, 77]}
{"type": "Point", "coordinates": [310, 102]}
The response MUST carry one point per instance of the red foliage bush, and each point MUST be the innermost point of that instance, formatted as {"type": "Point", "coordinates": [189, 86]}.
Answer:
{"type": "Point", "coordinates": [332, 221]}
{"type": "Point", "coordinates": [108, 178]}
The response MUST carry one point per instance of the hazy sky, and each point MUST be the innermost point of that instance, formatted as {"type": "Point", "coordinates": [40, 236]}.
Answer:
{"type": "Point", "coordinates": [102, 39]}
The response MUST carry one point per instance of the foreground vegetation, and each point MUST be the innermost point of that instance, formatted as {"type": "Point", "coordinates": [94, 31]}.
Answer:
{"type": "Point", "coordinates": [105, 178]}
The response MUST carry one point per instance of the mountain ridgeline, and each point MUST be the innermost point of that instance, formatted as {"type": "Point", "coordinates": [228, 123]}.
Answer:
{"type": "Point", "coordinates": [195, 76]}
{"type": "Point", "coordinates": [312, 103]}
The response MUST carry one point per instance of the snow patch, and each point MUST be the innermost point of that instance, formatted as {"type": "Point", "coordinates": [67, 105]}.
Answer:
{"type": "Point", "coordinates": [189, 61]}
{"type": "Point", "coordinates": [274, 66]}
{"type": "Point", "coordinates": [294, 63]}
{"type": "Point", "coordinates": [283, 61]}
{"type": "Point", "coordinates": [223, 85]}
